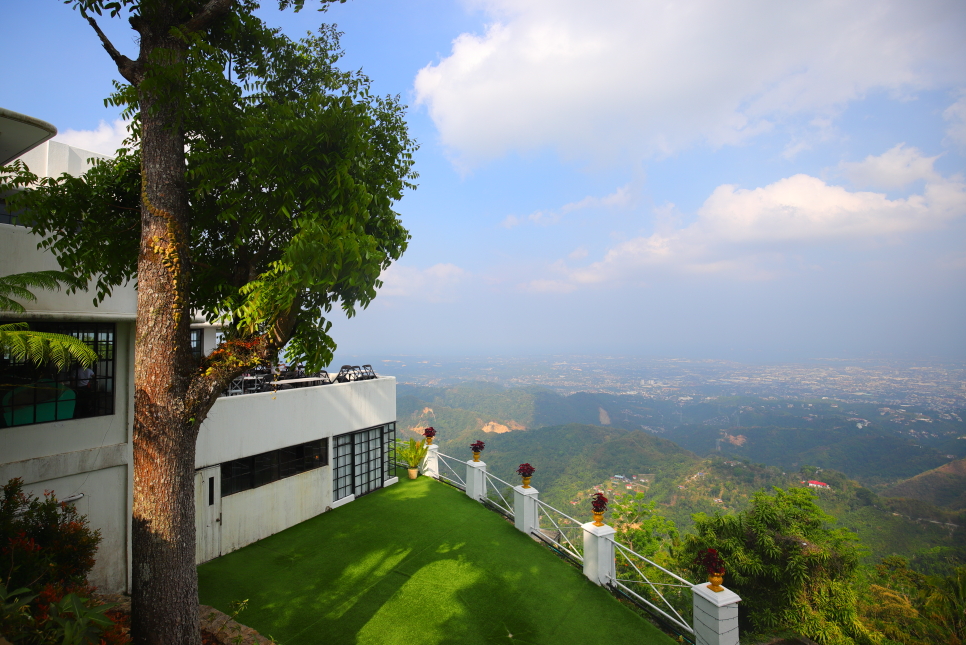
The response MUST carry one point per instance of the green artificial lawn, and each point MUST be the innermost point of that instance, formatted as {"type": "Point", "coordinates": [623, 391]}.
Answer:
{"type": "Point", "coordinates": [416, 563]}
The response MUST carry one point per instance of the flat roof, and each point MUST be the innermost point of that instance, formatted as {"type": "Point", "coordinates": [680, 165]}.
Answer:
{"type": "Point", "coordinates": [20, 133]}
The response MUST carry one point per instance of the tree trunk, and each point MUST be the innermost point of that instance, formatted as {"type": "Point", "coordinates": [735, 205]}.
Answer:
{"type": "Point", "coordinates": [165, 582]}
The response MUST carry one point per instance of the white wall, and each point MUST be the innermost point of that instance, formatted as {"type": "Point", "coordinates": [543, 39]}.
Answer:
{"type": "Point", "coordinates": [52, 159]}
{"type": "Point", "coordinates": [254, 514]}
{"type": "Point", "coordinates": [19, 254]}
{"type": "Point", "coordinates": [241, 426]}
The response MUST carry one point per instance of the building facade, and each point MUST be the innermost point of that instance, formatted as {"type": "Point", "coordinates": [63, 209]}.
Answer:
{"type": "Point", "coordinates": [264, 462]}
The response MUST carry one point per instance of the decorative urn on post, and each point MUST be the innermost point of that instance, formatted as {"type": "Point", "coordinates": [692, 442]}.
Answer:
{"type": "Point", "coordinates": [429, 433]}
{"type": "Point", "coordinates": [477, 447]}
{"type": "Point", "coordinates": [714, 565]}
{"type": "Point", "coordinates": [526, 471]}
{"type": "Point", "coordinates": [599, 503]}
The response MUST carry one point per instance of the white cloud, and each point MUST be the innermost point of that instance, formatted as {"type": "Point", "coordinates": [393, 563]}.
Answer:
{"type": "Point", "coordinates": [636, 77]}
{"type": "Point", "coordinates": [894, 169]}
{"type": "Point", "coordinates": [955, 114]}
{"type": "Point", "coordinates": [105, 139]}
{"type": "Point", "coordinates": [438, 283]}
{"type": "Point", "coordinates": [746, 233]}
{"type": "Point", "coordinates": [620, 197]}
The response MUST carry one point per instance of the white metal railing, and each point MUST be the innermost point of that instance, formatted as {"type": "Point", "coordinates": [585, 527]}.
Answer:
{"type": "Point", "coordinates": [492, 487]}
{"type": "Point", "coordinates": [627, 566]}
{"type": "Point", "coordinates": [563, 531]}
{"type": "Point", "coordinates": [448, 472]}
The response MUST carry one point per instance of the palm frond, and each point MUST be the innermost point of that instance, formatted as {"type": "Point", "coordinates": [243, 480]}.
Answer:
{"type": "Point", "coordinates": [18, 286]}
{"type": "Point", "coordinates": [43, 347]}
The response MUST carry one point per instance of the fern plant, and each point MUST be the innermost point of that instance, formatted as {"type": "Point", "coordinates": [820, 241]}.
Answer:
{"type": "Point", "coordinates": [24, 344]}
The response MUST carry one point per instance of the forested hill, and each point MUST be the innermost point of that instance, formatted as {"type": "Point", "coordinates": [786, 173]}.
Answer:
{"type": "Point", "coordinates": [572, 457]}
{"type": "Point", "coordinates": [944, 486]}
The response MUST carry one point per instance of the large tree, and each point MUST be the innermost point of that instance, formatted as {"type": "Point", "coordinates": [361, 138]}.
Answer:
{"type": "Point", "coordinates": [257, 188]}
{"type": "Point", "coordinates": [792, 569]}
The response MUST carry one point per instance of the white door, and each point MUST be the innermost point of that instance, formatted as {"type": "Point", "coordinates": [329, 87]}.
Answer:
{"type": "Point", "coordinates": [207, 514]}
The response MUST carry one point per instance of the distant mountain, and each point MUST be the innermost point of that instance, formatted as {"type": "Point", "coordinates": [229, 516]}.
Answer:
{"type": "Point", "coordinates": [944, 486]}
{"type": "Point", "coordinates": [875, 455]}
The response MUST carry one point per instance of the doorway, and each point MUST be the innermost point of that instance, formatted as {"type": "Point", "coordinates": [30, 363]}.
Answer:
{"type": "Point", "coordinates": [207, 514]}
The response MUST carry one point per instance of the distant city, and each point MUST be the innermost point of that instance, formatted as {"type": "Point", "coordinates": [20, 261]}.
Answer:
{"type": "Point", "coordinates": [935, 385]}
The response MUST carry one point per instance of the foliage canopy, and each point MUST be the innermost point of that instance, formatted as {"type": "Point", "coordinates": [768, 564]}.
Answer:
{"type": "Point", "coordinates": [292, 168]}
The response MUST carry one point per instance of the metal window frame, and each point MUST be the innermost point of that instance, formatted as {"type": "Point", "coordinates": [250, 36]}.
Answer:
{"type": "Point", "coordinates": [373, 447]}
{"type": "Point", "coordinates": [102, 338]}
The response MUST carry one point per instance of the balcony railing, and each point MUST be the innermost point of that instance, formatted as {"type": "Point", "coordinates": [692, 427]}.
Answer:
{"type": "Point", "coordinates": [691, 610]}
{"type": "Point", "coordinates": [258, 382]}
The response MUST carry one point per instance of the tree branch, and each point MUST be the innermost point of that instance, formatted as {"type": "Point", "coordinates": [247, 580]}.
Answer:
{"type": "Point", "coordinates": [129, 69]}
{"type": "Point", "coordinates": [211, 11]}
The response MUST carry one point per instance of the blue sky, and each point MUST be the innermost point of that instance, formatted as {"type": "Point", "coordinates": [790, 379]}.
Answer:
{"type": "Point", "coordinates": [752, 180]}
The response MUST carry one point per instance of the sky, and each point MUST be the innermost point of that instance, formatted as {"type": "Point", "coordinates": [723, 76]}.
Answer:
{"type": "Point", "coordinates": [755, 180]}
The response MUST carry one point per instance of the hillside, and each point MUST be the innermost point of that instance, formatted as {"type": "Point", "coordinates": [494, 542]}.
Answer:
{"type": "Point", "coordinates": [572, 457]}
{"type": "Point", "coordinates": [875, 455]}
{"type": "Point", "coordinates": [944, 486]}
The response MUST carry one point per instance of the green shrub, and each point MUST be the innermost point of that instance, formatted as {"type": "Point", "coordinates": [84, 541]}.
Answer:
{"type": "Point", "coordinates": [43, 541]}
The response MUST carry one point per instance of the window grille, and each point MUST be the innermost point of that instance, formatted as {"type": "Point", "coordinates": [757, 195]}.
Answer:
{"type": "Point", "coordinates": [268, 467]}
{"type": "Point", "coordinates": [39, 394]}
{"type": "Point", "coordinates": [362, 460]}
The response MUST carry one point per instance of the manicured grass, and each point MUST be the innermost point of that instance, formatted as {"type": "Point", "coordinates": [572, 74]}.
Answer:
{"type": "Point", "coordinates": [416, 563]}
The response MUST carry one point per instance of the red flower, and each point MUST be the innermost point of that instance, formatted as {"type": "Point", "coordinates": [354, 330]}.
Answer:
{"type": "Point", "coordinates": [598, 502]}
{"type": "Point", "coordinates": [711, 561]}
{"type": "Point", "coordinates": [526, 470]}
{"type": "Point", "coordinates": [429, 432]}
{"type": "Point", "coordinates": [477, 446]}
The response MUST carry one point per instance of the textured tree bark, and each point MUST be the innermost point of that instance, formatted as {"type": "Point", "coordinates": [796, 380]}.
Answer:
{"type": "Point", "coordinates": [172, 395]}
{"type": "Point", "coordinates": [165, 585]}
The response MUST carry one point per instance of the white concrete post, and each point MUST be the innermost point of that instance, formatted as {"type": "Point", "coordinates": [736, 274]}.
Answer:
{"type": "Point", "coordinates": [525, 509]}
{"type": "Point", "coordinates": [431, 461]}
{"type": "Point", "coordinates": [476, 479]}
{"type": "Point", "coordinates": [599, 553]}
{"type": "Point", "coordinates": [715, 616]}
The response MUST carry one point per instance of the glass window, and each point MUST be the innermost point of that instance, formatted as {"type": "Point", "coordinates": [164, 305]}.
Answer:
{"type": "Point", "coordinates": [251, 472]}
{"type": "Point", "coordinates": [30, 394]}
{"type": "Point", "coordinates": [266, 468]}
{"type": "Point", "coordinates": [196, 338]}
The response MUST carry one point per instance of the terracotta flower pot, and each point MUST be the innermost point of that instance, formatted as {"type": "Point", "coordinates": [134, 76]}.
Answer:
{"type": "Point", "coordinates": [429, 441]}
{"type": "Point", "coordinates": [476, 456]}
{"type": "Point", "coordinates": [413, 472]}
{"type": "Point", "coordinates": [598, 518]}
{"type": "Point", "coordinates": [526, 482]}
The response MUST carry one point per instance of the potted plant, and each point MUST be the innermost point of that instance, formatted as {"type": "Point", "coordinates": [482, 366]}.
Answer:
{"type": "Point", "coordinates": [599, 503]}
{"type": "Point", "coordinates": [711, 560]}
{"type": "Point", "coordinates": [429, 433]}
{"type": "Point", "coordinates": [412, 454]}
{"type": "Point", "coordinates": [477, 447]}
{"type": "Point", "coordinates": [526, 471]}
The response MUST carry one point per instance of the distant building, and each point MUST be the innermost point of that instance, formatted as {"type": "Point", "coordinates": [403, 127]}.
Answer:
{"type": "Point", "coordinates": [816, 484]}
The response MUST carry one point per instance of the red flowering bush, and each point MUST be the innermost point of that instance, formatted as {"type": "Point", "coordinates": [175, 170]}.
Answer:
{"type": "Point", "coordinates": [429, 432]}
{"type": "Point", "coordinates": [43, 541]}
{"type": "Point", "coordinates": [477, 446]}
{"type": "Point", "coordinates": [711, 561]}
{"type": "Point", "coordinates": [46, 551]}
{"type": "Point", "coordinates": [598, 502]}
{"type": "Point", "coordinates": [526, 470]}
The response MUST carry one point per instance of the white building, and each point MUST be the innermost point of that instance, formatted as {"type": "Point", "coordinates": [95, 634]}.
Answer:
{"type": "Point", "coordinates": [264, 462]}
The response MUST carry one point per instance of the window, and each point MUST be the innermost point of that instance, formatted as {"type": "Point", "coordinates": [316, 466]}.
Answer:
{"type": "Point", "coordinates": [197, 348]}
{"type": "Point", "coordinates": [362, 460]}
{"type": "Point", "coordinates": [258, 470]}
{"type": "Point", "coordinates": [30, 394]}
